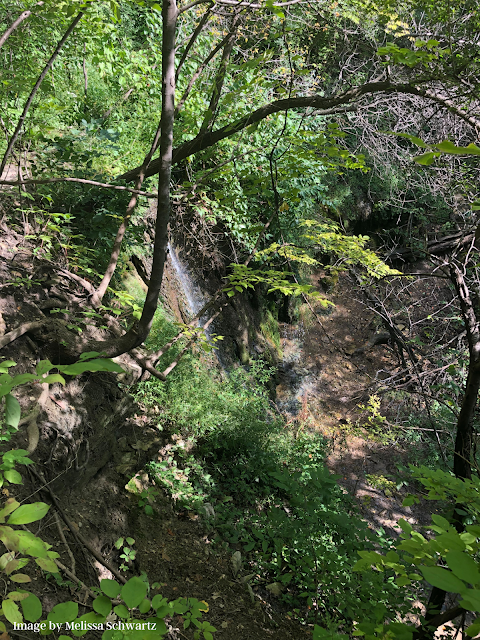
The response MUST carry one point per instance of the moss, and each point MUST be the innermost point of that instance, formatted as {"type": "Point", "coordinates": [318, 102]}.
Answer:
{"type": "Point", "coordinates": [270, 331]}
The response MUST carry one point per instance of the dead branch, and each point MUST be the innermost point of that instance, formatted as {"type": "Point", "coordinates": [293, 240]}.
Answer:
{"type": "Point", "coordinates": [14, 183]}
{"type": "Point", "coordinates": [75, 533]}
{"type": "Point", "coordinates": [33, 92]}
{"type": "Point", "coordinates": [23, 16]}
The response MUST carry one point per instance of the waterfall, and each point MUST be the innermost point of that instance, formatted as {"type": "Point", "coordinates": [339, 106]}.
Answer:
{"type": "Point", "coordinates": [193, 294]}
{"type": "Point", "coordinates": [194, 297]}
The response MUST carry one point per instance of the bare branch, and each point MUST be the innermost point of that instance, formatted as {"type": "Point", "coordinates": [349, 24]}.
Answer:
{"type": "Point", "coordinates": [104, 185]}
{"type": "Point", "coordinates": [23, 16]}
{"type": "Point", "coordinates": [33, 92]}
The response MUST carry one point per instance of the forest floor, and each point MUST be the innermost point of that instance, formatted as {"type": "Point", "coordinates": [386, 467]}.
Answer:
{"type": "Point", "coordinates": [331, 382]}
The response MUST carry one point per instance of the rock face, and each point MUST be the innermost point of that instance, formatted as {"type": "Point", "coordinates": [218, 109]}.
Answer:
{"type": "Point", "coordinates": [188, 286]}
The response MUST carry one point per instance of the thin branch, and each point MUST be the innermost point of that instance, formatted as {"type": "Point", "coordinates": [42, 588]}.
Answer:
{"type": "Point", "coordinates": [23, 16]}
{"type": "Point", "coordinates": [220, 77]}
{"type": "Point", "coordinates": [193, 39]}
{"type": "Point", "coordinates": [14, 183]}
{"type": "Point", "coordinates": [193, 4]}
{"type": "Point", "coordinates": [198, 72]}
{"type": "Point", "coordinates": [33, 92]}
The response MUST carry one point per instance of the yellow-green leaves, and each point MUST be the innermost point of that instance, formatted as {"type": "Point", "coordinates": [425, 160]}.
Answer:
{"type": "Point", "coordinates": [349, 250]}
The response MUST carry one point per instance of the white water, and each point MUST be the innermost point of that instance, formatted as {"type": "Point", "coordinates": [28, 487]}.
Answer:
{"type": "Point", "coordinates": [193, 294]}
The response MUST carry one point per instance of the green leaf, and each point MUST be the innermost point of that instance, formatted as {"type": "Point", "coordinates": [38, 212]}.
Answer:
{"type": "Point", "coordinates": [43, 367]}
{"type": "Point", "coordinates": [32, 608]}
{"type": "Point", "coordinates": [471, 600]}
{"type": "Point", "coordinates": [110, 588]}
{"type": "Point", "coordinates": [22, 378]}
{"type": "Point", "coordinates": [473, 629]}
{"type": "Point", "coordinates": [122, 611]}
{"type": "Point", "coordinates": [448, 147]}
{"type": "Point", "coordinates": [47, 565]}
{"type": "Point", "coordinates": [8, 363]}
{"type": "Point", "coordinates": [31, 545]}
{"type": "Point", "coordinates": [102, 605]}
{"type": "Point", "coordinates": [88, 355]}
{"type": "Point", "coordinates": [54, 377]}
{"type": "Point", "coordinates": [64, 612]}
{"type": "Point", "coordinates": [144, 606]}
{"type": "Point", "coordinates": [133, 592]}
{"type": "Point", "coordinates": [426, 159]}
{"type": "Point", "coordinates": [11, 611]}
{"type": "Point", "coordinates": [463, 566]}
{"type": "Point", "coordinates": [12, 411]}
{"type": "Point", "coordinates": [91, 616]}
{"type": "Point", "coordinates": [13, 476]}
{"type": "Point", "coordinates": [102, 364]}
{"type": "Point", "coordinates": [29, 513]}
{"type": "Point", "coordinates": [442, 579]}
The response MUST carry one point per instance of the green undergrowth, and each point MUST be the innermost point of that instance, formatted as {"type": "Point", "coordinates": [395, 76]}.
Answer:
{"type": "Point", "coordinates": [262, 489]}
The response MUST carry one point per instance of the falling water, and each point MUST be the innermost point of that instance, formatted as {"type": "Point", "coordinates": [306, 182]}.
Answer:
{"type": "Point", "coordinates": [195, 299]}
{"type": "Point", "coordinates": [193, 295]}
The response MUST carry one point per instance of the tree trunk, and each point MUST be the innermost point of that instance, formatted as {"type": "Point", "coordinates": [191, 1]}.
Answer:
{"type": "Point", "coordinates": [139, 332]}
{"type": "Point", "coordinates": [463, 443]}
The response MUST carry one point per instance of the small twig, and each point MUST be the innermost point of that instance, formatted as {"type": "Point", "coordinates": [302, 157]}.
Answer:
{"type": "Point", "coordinates": [73, 577]}
{"type": "Point", "coordinates": [64, 540]}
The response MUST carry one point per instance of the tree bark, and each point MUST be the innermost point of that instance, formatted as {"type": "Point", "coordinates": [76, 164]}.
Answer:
{"type": "Point", "coordinates": [463, 443]}
{"type": "Point", "coordinates": [169, 14]}
{"type": "Point", "coordinates": [464, 438]}
{"type": "Point", "coordinates": [139, 332]}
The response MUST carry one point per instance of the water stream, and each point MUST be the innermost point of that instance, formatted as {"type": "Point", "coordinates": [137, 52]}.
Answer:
{"type": "Point", "coordinates": [193, 294]}
{"type": "Point", "coordinates": [296, 381]}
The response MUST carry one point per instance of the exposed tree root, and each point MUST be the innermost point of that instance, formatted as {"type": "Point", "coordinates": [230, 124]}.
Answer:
{"type": "Point", "coordinates": [19, 331]}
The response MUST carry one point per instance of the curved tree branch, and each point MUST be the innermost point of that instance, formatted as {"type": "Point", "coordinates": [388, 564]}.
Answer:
{"type": "Point", "coordinates": [23, 16]}
{"type": "Point", "coordinates": [94, 183]}
{"type": "Point", "coordinates": [324, 106]}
